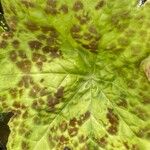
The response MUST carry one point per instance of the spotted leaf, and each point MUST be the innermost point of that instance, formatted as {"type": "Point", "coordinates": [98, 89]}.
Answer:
{"type": "Point", "coordinates": [75, 74]}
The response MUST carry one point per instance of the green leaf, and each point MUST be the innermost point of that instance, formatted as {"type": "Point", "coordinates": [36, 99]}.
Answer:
{"type": "Point", "coordinates": [76, 74]}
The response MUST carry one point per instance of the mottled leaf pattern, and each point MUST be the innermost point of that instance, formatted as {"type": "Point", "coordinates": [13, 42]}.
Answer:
{"type": "Point", "coordinates": [75, 73]}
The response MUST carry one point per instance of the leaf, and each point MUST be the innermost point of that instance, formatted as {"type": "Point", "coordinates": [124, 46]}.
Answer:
{"type": "Point", "coordinates": [72, 73]}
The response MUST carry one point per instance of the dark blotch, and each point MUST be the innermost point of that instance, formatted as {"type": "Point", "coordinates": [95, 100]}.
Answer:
{"type": "Point", "coordinates": [3, 44]}
{"type": "Point", "coordinates": [60, 92]}
{"type": "Point", "coordinates": [114, 121]}
{"type": "Point", "coordinates": [126, 145]}
{"type": "Point", "coordinates": [35, 44]}
{"type": "Point", "coordinates": [83, 118]}
{"type": "Point", "coordinates": [123, 103]}
{"type": "Point", "coordinates": [15, 44]}
{"type": "Point", "coordinates": [46, 29]}
{"type": "Point", "coordinates": [52, 101]}
{"type": "Point", "coordinates": [25, 81]}
{"type": "Point", "coordinates": [46, 49]}
{"type": "Point", "coordinates": [78, 5]}
{"type": "Point", "coordinates": [37, 120]}
{"type": "Point", "coordinates": [52, 3]}
{"type": "Point", "coordinates": [73, 122]}
{"type": "Point", "coordinates": [63, 139]}
{"type": "Point", "coordinates": [63, 126]}
{"type": "Point", "coordinates": [100, 4]}
{"type": "Point", "coordinates": [36, 57]}
{"type": "Point", "coordinates": [27, 4]}
{"type": "Point", "coordinates": [75, 28]}
{"type": "Point", "coordinates": [22, 54]}
{"type": "Point", "coordinates": [44, 92]}
{"type": "Point", "coordinates": [13, 56]}
{"type": "Point", "coordinates": [34, 91]}
{"type": "Point", "coordinates": [24, 65]}
{"type": "Point", "coordinates": [83, 19]}
{"type": "Point", "coordinates": [32, 26]}
{"type": "Point", "coordinates": [25, 145]}
{"type": "Point", "coordinates": [75, 31]}
{"type": "Point", "coordinates": [41, 37]}
{"type": "Point", "coordinates": [64, 8]}
{"type": "Point", "coordinates": [102, 141]}
{"type": "Point", "coordinates": [73, 131]}
{"type": "Point", "coordinates": [13, 92]}
{"type": "Point", "coordinates": [51, 10]}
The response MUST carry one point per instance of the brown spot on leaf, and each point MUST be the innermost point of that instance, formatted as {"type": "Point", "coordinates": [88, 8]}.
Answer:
{"type": "Point", "coordinates": [39, 65]}
{"type": "Point", "coordinates": [37, 120]}
{"type": "Point", "coordinates": [22, 54]}
{"type": "Point", "coordinates": [52, 101]}
{"type": "Point", "coordinates": [24, 65]}
{"type": "Point", "coordinates": [83, 118]}
{"type": "Point", "coordinates": [34, 91]}
{"type": "Point", "coordinates": [73, 122]}
{"type": "Point", "coordinates": [75, 29]}
{"type": "Point", "coordinates": [15, 44]}
{"type": "Point", "coordinates": [140, 112]}
{"type": "Point", "coordinates": [83, 19]}
{"type": "Point", "coordinates": [52, 3]}
{"type": "Point", "coordinates": [51, 41]}
{"type": "Point", "coordinates": [112, 129]}
{"type": "Point", "coordinates": [92, 46]}
{"type": "Point", "coordinates": [47, 29]}
{"type": "Point", "coordinates": [63, 126]}
{"type": "Point", "coordinates": [27, 4]}
{"type": "Point", "coordinates": [60, 92]}
{"type": "Point", "coordinates": [63, 139]}
{"type": "Point", "coordinates": [100, 4]}
{"type": "Point", "coordinates": [102, 141]}
{"type": "Point", "coordinates": [36, 57]}
{"type": "Point", "coordinates": [13, 92]}
{"type": "Point", "coordinates": [35, 104]}
{"type": "Point", "coordinates": [113, 120]}
{"type": "Point", "coordinates": [46, 49]}
{"type": "Point", "coordinates": [44, 92]}
{"type": "Point", "coordinates": [3, 44]}
{"type": "Point", "coordinates": [25, 115]}
{"type": "Point", "coordinates": [53, 129]}
{"type": "Point", "coordinates": [87, 36]}
{"type": "Point", "coordinates": [13, 56]}
{"type": "Point", "coordinates": [64, 8]}
{"type": "Point", "coordinates": [78, 5]}
{"type": "Point", "coordinates": [27, 134]}
{"type": "Point", "coordinates": [42, 80]}
{"type": "Point", "coordinates": [25, 145]}
{"type": "Point", "coordinates": [41, 37]}
{"type": "Point", "coordinates": [73, 131]}
{"type": "Point", "coordinates": [135, 147]}
{"type": "Point", "coordinates": [31, 26]}
{"type": "Point", "coordinates": [51, 10]}
{"type": "Point", "coordinates": [16, 104]}
{"type": "Point", "coordinates": [82, 139]}
{"type": "Point", "coordinates": [35, 44]}
{"type": "Point", "coordinates": [26, 81]}
{"type": "Point", "coordinates": [126, 145]}
{"type": "Point", "coordinates": [7, 35]}
{"type": "Point", "coordinates": [123, 103]}
{"type": "Point", "coordinates": [92, 29]}
{"type": "Point", "coordinates": [53, 32]}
